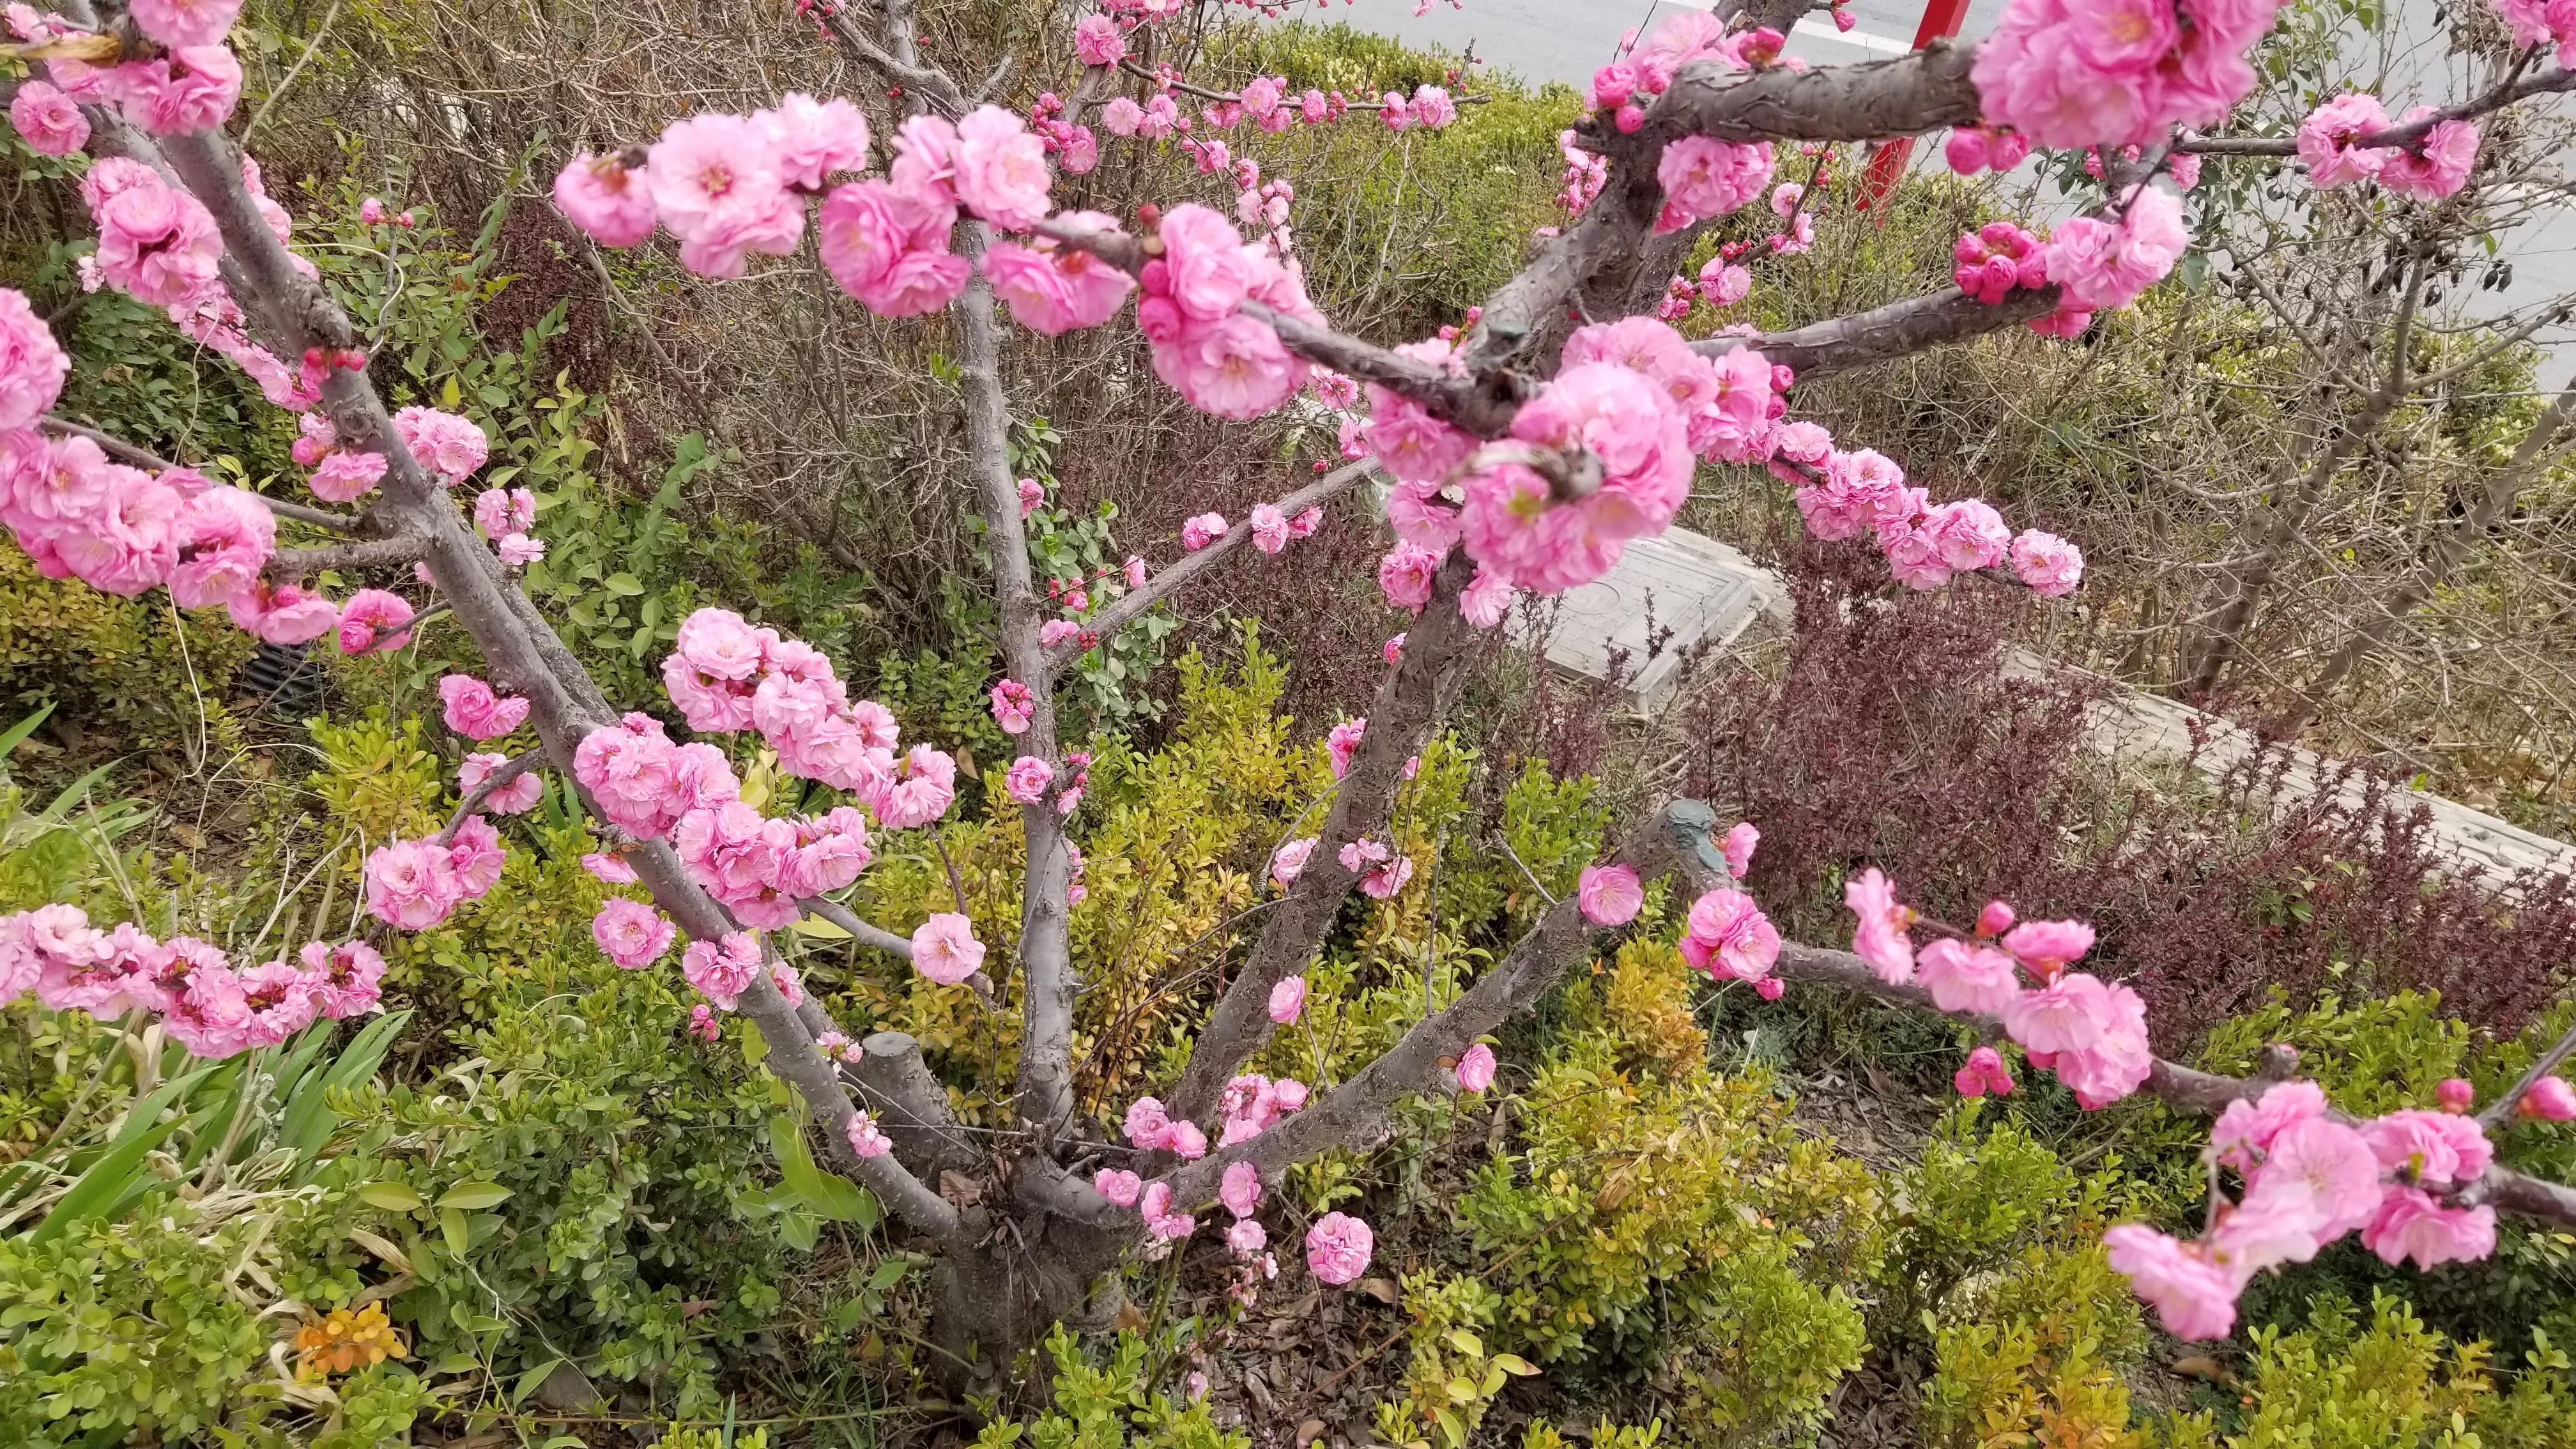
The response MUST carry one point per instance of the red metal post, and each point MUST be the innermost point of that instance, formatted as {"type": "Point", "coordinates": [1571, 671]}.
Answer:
{"type": "Point", "coordinates": [1941, 20]}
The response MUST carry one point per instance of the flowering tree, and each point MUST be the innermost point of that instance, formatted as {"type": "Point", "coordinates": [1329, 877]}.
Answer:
{"type": "Point", "coordinates": [1523, 449]}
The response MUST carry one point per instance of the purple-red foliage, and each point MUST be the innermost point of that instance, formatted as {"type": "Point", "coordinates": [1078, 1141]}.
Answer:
{"type": "Point", "coordinates": [1896, 739]}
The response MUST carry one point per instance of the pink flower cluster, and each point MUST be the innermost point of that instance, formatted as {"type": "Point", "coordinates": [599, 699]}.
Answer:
{"type": "Point", "coordinates": [2309, 1179]}
{"type": "Point", "coordinates": [412, 884]}
{"type": "Point", "coordinates": [1728, 936]}
{"type": "Point", "coordinates": [2074, 73]}
{"type": "Point", "coordinates": [1338, 1248]}
{"type": "Point", "coordinates": [2329, 143]}
{"type": "Point", "coordinates": [449, 446]}
{"type": "Point", "coordinates": [190, 83]}
{"type": "Point", "coordinates": [1054, 288]}
{"type": "Point", "coordinates": [1925, 543]}
{"type": "Point", "coordinates": [2538, 22]}
{"type": "Point", "coordinates": [1150, 1128]}
{"type": "Point", "coordinates": [1221, 360]}
{"type": "Point", "coordinates": [1626, 86]}
{"type": "Point", "coordinates": [122, 530]}
{"type": "Point", "coordinates": [1632, 401]}
{"type": "Point", "coordinates": [2104, 264]}
{"type": "Point", "coordinates": [1995, 258]}
{"type": "Point", "coordinates": [1972, 149]}
{"type": "Point", "coordinates": [1609, 895]}
{"type": "Point", "coordinates": [1382, 872]}
{"type": "Point", "coordinates": [631, 933]}
{"type": "Point", "coordinates": [205, 1003]}
{"type": "Point", "coordinates": [154, 240]}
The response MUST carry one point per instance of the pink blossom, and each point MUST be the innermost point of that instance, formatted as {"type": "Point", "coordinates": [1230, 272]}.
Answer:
{"type": "Point", "coordinates": [1392, 651]}
{"type": "Point", "coordinates": [814, 139]}
{"type": "Point", "coordinates": [1207, 271]}
{"type": "Point", "coordinates": [924, 787]}
{"type": "Point", "coordinates": [476, 856]}
{"type": "Point", "coordinates": [1609, 895]}
{"type": "Point", "coordinates": [1704, 177]}
{"type": "Point", "coordinates": [1053, 288]}
{"type": "Point", "coordinates": [282, 1002]}
{"type": "Point", "coordinates": [189, 88]}
{"type": "Point", "coordinates": [224, 537]}
{"type": "Point", "coordinates": [1741, 839]}
{"type": "Point", "coordinates": [1057, 631]}
{"type": "Point", "coordinates": [1966, 977]}
{"type": "Point", "coordinates": [499, 511]}
{"type": "Point", "coordinates": [1118, 1185]}
{"type": "Point", "coordinates": [2048, 564]}
{"type": "Point", "coordinates": [49, 122]}
{"type": "Point", "coordinates": [155, 241]}
{"type": "Point", "coordinates": [722, 970]}
{"type": "Point", "coordinates": [374, 619]}
{"type": "Point", "coordinates": [412, 884]}
{"type": "Point", "coordinates": [610, 203]}
{"type": "Point", "coordinates": [1001, 169]}
{"type": "Point", "coordinates": [867, 1139]}
{"type": "Point", "coordinates": [2047, 946]}
{"type": "Point", "coordinates": [1288, 861]}
{"type": "Point", "coordinates": [347, 978]}
{"type": "Point", "coordinates": [1186, 1141]}
{"type": "Point", "coordinates": [514, 798]}
{"type": "Point", "coordinates": [1148, 1126]}
{"type": "Point", "coordinates": [2455, 1094]}
{"type": "Point", "coordinates": [1984, 1071]}
{"type": "Point", "coordinates": [517, 550]}
{"type": "Point", "coordinates": [1486, 599]}
{"type": "Point", "coordinates": [2194, 1297]}
{"type": "Point", "coordinates": [633, 934]}
{"type": "Point", "coordinates": [1240, 1189]}
{"type": "Point", "coordinates": [889, 248]}
{"type": "Point", "coordinates": [344, 475]}
{"type": "Point", "coordinates": [1202, 530]}
{"type": "Point", "coordinates": [2120, 1062]}
{"type": "Point", "coordinates": [1641, 443]}
{"type": "Point", "coordinates": [945, 950]}
{"type": "Point", "coordinates": [1134, 572]}
{"type": "Point", "coordinates": [1405, 576]}
{"type": "Point", "coordinates": [1338, 1248]}
{"type": "Point", "coordinates": [703, 1023]}
{"type": "Point", "coordinates": [1269, 528]}
{"type": "Point", "coordinates": [1723, 283]}
{"type": "Point", "coordinates": [608, 869]}
{"type": "Point", "coordinates": [1476, 1069]}
{"type": "Point", "coordinates": [177, 23]}
{"type": "Point", "coordinates": [286, 614]}
{"type": "Point", "coordinates": [1968, 534]}
{"type": "Point", "coordinates": [1013, 706]}
{"type": "Point", "coordinates": [1411, 444]}
{"type": "Point", "coordinates": [1122, 116]}
{"type": "Point", "coordinates": [1098, 41]}
{"type": "Point", "coordinates": [1029, 779]}
{"type": "Point", "coordinates": [1342, 742]}
{"type": "Point", "coordinates": [1235, 367]}
{"type": "Point", "coordinates": [1246, 1238]}
{"type": "Point", "coordinates": [1728, 936]}
{"type": "Point", "coordinates": [1288, 1000]}
{"type": "Point", "coordinates": [1879, 933]}
{"type": "Point", "coordinates": [2106, 264]}
{"type": "Point", "coordinates": [1381, 872]}
{"type": "Point", "coordinates": [475, 712]}
{"type": "Point", "coordinates": [2244, 1132]}
{"type": "Point", "coordinates": [2450, 153]}
{"type": "Point", "coordinates": [2328, 1167]}
{"type": "Point", "coordinates": [2326, 138]}
{"type": "Point", "coordinates": [2411, 1224]}
{"type": "Point", "coordinates": [716, 183]}
{"type": "Point", "coordinates": [2069, 1014]}
{"type": "Point", "coordinates": [2429, 1146]}
{"type": "Point", "coordinates": [2549, 1100]}
{"type": "Point", "coordinates": [449, 446]}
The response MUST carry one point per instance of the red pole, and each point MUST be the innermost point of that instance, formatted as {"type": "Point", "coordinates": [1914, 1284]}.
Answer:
{"type": "Point", "coordinates": [1941, 19]}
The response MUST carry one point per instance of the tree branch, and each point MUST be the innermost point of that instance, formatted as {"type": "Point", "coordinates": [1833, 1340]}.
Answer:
{"type": "Point", "coordinates": [1132, 605]}
{"type": "Point", "coordinates": [508, 770]}
{"type": "Point", "coordinates": [1045, 951]}
{"type": "Point", "coordinates": [1409, 703]}
{"type": "Point", "coordinates": [864, 932]}
{"type": "Point", "coordinates": [520, 650]}
{"type": "Point", "coordinates": [2409, 136]}
{"type": "Point", "coordinates": [1884, 334]}
{"type": "Point", "coordinates": [298, 563]}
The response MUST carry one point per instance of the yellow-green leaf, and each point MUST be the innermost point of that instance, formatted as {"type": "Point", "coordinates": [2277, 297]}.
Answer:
{"type": "Point", "coordinates": [1514, 1364]}
{"type": "Point", "coordinates": [393, 1197]}
{"type": "Point", "coordinates": [820, 929]}
{"type": "Point", "coordinates": [473, 1197]}
{"type": "Point", "coordinates": [1461, 1390]}
{"type": "Point", "coordinates": [1466, 1343]}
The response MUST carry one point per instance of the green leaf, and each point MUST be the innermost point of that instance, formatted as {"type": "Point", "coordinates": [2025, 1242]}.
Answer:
{"type": "Point", "coordinates": [451, 1225]}
{"type": "Point", "coordinates": [1454, 1428]}
{"type": "Point", "coordinates": [18, 732]}
{"type": "Point", "coordinates": [120, 1168]}
{"type": "Point", "coordinates": [1515, 1365]}
{"type": "Point", "coordinates": [889, 1273]}
{"type": "Point", "coordinates": [530, 1381]}
{"type": "Point", "coordinates": [1466, 1343]}
{"type": "Point", "coordinates": [474, 1196]}
{"type": "Point", "coordinates": [624, 584]}
{"type": "Point", "coordinates": [393, 1197]}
